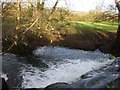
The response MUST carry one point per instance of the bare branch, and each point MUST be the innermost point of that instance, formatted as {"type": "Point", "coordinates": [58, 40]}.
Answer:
{"type": "Point", "coordinates": [54, 7]}
{"type": "Point", "coordinates": [31, 26]}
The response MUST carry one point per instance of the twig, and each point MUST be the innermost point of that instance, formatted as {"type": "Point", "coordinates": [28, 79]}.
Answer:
{"type": "Point", "coordinates": [31, 26]}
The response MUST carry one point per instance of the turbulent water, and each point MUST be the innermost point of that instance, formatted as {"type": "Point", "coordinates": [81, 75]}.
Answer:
{"type": "Point", "coordinates": [50, 65]}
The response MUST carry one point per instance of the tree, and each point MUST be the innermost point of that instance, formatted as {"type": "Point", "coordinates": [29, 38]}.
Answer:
{"type": "Point", "coordinates": [18, 14]}
{"type": "Point", "coordinates": [118, 31]}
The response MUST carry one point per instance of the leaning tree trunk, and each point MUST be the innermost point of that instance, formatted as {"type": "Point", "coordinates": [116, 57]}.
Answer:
{"type": "Point", "coordinates": [116, 44]}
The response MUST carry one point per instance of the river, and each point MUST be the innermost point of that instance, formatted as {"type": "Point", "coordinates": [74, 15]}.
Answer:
{"type": "Point", "coordinates": [50, 65]}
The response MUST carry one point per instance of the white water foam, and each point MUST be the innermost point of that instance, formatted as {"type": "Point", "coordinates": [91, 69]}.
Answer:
{"type": "Point", "coordinates": [3, 75]}
{"type": "Point", "coordinates": [66, 72]}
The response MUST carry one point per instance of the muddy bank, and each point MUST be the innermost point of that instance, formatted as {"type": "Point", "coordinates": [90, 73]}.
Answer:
{"type": "Point", "coordinates": [84, 40]}
{"type": "Point", "coordinates": [104, 41]}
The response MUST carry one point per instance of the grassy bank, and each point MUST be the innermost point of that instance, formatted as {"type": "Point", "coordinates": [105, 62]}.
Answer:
{"type": "Point", "coordinates": [92, 27]}
{"type": "Point", "coordinates": [89, 36]}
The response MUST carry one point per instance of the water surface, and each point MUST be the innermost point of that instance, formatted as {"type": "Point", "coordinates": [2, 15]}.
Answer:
{"type": "Point", "coordinates": [50, 65]}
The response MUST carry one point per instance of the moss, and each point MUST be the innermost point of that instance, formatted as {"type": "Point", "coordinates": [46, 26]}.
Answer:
{"type": "Point", "coordinates": [96, 81]}
{"type": "Point", "coordinates": [112, 85]}
{"type": "Point", "coordinates": [111, 57]}
{"type": "Point", "coordinates": [82, 86]}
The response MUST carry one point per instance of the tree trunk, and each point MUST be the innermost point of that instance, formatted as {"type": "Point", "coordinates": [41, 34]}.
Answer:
{"type": "Point", "coordinates": [54, 7]}
{"type": "Point", "coordinates": [118, 31]}
{"type": "Point", "coordinates": [18, 15]}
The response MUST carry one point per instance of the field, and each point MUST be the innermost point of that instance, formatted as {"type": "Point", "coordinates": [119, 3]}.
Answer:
{"type": "Point", "coordinates": [89, 26]}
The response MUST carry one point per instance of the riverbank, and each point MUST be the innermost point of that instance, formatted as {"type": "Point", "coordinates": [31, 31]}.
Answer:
{"type": "Point", "coordinates": [84, 36]}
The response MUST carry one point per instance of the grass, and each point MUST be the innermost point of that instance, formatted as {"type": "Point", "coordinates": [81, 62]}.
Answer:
{"type": "Point", "coordinates": [103, 26]}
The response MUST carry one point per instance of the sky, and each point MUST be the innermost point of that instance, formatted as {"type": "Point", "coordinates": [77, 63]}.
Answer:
{"type": "Point", "coordinates": [80, 5]}
{"type": "Point", "coordinates": [76, 5]}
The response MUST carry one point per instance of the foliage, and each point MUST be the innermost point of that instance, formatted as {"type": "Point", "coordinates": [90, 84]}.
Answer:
{"type": "Point", "coordinates": [96, 16]}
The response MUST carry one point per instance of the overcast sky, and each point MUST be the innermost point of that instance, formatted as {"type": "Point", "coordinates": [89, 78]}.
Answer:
{"type": "Point", "coordinates": [76, 5]}
{"type": "Point", "coordinates": [80, 5]}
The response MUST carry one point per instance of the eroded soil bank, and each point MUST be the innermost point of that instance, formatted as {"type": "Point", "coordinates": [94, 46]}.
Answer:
{"type": "Point", "coordinates": [84, 40]}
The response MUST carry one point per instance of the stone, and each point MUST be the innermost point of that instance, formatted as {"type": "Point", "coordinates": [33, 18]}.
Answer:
{"type": "Point", "coordinates": [60, 86]}
{"type": "Point", "coordinates": [4, 85]}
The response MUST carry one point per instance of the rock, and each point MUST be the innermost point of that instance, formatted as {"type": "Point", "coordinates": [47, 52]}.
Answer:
{"type": "Point", "coordinates": [114, 67]}
{"type": "Point", "coordinates": [105, 77]}
{"type": "Point", "coordinates": [108, 77]}
{"type": "Point", "coordinates": [33, 89]}
{"type": "Point", "coordinates": [61, 86]}
{"type": "Point", "coordinates": [101, 80]}
{"type": "Point", "coordinates": [4, 85]}
{"type": "Point", "coordinates": [115, 84]}
{"type": "Point", "coordinates": [89, 74]}
{"type": "Point", "coordinates": [11, 67]}
{"type": "Point", "coordinates": [79, 83]}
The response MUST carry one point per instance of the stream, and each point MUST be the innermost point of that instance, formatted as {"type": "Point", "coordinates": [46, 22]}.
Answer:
{"type": "Point", "coordinates": [50, 65]}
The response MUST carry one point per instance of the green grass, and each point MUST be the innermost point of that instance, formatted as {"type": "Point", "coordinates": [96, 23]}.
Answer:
{"type": "Point", "coordinates": [103, 26]}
